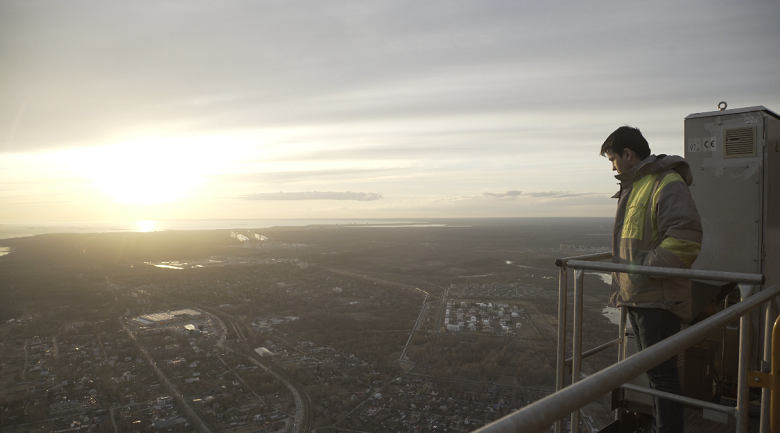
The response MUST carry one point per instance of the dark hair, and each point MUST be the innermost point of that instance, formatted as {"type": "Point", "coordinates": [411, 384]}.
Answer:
{"type": "Point", "coordinates": [626, 137]}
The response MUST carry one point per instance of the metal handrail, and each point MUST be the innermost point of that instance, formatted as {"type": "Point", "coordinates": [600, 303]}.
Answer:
{"type": "Point", "coordinates": [770, 380]}
{"type": "Point", "coordinates": [747, 282]}
{"type": "Point", "coordinates": [543, 413]}
{"type": "Point", "coordinates": [588, 257]}
{"type": "Point", "coordinates": [562, 305]}
{"type": "Point", "coordinates": [587, 262]}
{"type": "Point", "coordinates": [597, 349]}
{"type": "Point", "coordinates": [580, 263]}
{"type": "Point", "coordinates": [730, 410]}
{"type": "Point", "coordinates": [655, 271]}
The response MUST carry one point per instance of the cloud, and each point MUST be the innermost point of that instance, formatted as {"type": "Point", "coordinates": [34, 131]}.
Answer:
{"type": "Point", "coordinates": [508, 194]}
{"type": "Point", "coordinates": [295, 176]}
{"type": "Point", "coordinates": [89, 75]}
{"type": "Point", "coordinates": [313, 195]}
{"type": "Point", "coordinates": [569, 197]}
{"type": "Point", "coordinates": [558, 198]}
{"type": "Point", "coordinates": [548, 196]}
{"type": "Point", "coordinates": [447, 102]}
{"type": "Point", "coordinates": [556, 194]}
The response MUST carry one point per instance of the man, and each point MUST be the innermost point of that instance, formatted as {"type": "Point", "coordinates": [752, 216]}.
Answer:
{"type": "Point", "coordinates": [656, 225]}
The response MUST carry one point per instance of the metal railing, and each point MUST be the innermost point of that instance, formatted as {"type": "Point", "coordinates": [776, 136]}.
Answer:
{"type": "Point", "coordinates": [540, 415]}
{"type": "Point", "coordinates": [770, 381]}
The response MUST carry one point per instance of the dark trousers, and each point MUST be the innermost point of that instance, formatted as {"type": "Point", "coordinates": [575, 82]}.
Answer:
{"type": "Point", "coordinates": [652, 325]}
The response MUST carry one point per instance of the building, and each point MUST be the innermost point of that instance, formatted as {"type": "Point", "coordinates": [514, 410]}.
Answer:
{"type": "Point", "coordinates": [167, 317]}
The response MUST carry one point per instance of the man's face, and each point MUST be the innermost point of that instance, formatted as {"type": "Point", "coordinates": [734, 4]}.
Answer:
{"type": "Point", "coordinates": [623, 162]}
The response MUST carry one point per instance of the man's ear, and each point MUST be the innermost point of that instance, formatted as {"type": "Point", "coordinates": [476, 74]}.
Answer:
{"type": "Point", "coordinates": [628, 154]}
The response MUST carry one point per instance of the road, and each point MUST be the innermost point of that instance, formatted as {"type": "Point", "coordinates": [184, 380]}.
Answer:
{"type": "Point", "coordinates": [302, 415]}
{"type": "Point", "coordinates": [169, 386]}
{"type": "Point", "coordinates": [423, 310]}
{"type": "Point", "coordinates": [417, 324]}
{"type": "Point", "coordinates": [374, 279]}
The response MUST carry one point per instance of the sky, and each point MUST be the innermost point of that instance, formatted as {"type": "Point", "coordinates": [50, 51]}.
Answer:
{"type": "Point", "coordinates": [167, 110]}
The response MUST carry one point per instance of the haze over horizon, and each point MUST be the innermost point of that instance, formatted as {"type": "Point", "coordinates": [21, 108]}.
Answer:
{"type": "Point", "coordinates": [243, 110]}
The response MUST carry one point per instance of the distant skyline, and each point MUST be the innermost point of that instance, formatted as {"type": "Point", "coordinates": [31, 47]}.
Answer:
{"type": "Point", "coordinates": [389, 109]}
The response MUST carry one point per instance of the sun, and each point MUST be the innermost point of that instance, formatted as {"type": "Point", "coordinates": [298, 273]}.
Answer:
{"type": "Point", "coordinates": [146, 172]}
{"type": "Point", "coordinates": [145, 226]}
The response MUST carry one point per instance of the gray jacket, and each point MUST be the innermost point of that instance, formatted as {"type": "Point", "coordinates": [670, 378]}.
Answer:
{"type": "Point", "coordinates": [657, 224]}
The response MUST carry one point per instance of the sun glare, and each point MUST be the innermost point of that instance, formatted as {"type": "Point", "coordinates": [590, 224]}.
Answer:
{"type": "Point", "coordinates": [145, 226]}
{"type": "Point", "coordinates": [147, 172]}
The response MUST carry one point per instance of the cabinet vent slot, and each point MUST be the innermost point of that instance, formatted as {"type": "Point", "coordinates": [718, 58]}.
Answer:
{"type": "Point", "coordinates": [740, 142]}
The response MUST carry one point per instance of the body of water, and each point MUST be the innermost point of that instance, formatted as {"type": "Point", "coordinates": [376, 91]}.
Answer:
{"type": "Point", "coordinates": [605, 277]}
{"type": "Point", "coordinates": [20, 230]}
{"type": "Point", "coordinates": [613, 314]}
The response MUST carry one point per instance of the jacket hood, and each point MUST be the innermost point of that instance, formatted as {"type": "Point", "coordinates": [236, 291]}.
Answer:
{"type": "Point", "coordinates": [656, 164]}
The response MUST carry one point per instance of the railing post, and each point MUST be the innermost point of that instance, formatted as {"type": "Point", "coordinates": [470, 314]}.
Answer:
{"type": "Point", "coordinates": [621, 351]}
{"type": "Point", "coordinates": [576, 361]}
{"type": "Point", "coordinates": [562, 303]}
{"type": "Point", "coordinates": [746, 290]}
{"type": "Point", "coordinates": [623, 339]}
{"type": "Point", "coordinates": [774, 418]}
{"type": "Point", "coordinates": [766, 393]}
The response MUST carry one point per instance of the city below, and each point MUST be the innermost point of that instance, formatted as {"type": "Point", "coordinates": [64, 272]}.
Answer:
{"type": "Point", "coordinates": [289, 329]}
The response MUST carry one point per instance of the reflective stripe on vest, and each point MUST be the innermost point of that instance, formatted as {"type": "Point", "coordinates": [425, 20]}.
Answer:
{"type": "Point", "coordinates": [640, 200]}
